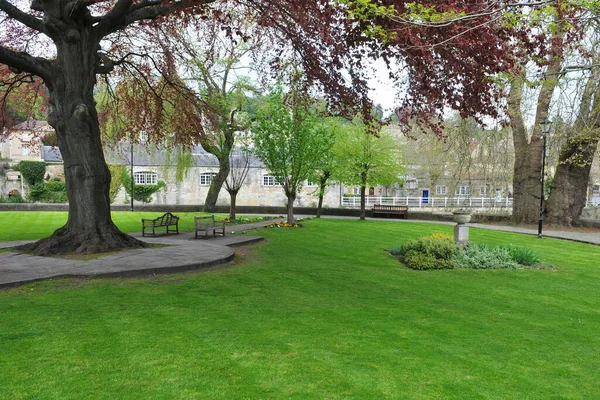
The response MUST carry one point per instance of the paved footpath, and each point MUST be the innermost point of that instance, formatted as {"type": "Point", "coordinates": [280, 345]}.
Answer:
{"type": "Point", "coordinates": [183, 253]}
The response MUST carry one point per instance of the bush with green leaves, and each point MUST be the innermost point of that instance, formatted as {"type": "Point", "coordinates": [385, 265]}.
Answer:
{"type": "Point", "coordinates": [32, 171]}
{"type": "Point", "coordinates": [38, 192]}
{"type": "Point", "coordinates": [438, 246]}
{"type": "Point", "coordinates": [439, 251]}
{"type": "Point", "coordinates": [49, 192]}
{"type": "Point", "coordinates": [141, 193]}
{"type": "Point", "coordinates": [396, 251]}
{"type": "Point", "coordinates": [482, 256]}
{"type": "Point", "coordinates": [12, 199]}
{"type": "Point", "coordinates": [523, 255]}
{"type": "Point", "coordinates": [421, 261]}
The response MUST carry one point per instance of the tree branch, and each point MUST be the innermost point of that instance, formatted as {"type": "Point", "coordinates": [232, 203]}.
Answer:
{"type": "Point", "coordinates": [125, 13]}
{"type": "Point", "coordinates": [22, 61]}
{"type": "Point", "coordinates": [24, 18]}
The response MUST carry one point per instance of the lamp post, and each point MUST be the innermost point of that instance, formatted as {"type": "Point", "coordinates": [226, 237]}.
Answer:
{"type": "Point", "coordinates": [545, 124]}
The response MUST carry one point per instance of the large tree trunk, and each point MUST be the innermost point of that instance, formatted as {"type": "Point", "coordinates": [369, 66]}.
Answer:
{"type": "Point", "coordinates": [216, 184]}
{"type": "Point", "coordinates": [72, 113]}
{"type": "Point", "coordinates": [529, 149]}
{"type": "Point", "coordinates": [569, 188]}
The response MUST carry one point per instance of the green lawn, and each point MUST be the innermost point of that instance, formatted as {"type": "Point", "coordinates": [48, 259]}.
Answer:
{"type": "Point", "coordinates": [320, 312]}
{"type": "Point", "coordinates": [39, 224]}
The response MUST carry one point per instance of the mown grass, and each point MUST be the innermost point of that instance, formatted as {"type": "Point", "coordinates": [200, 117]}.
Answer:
{"type": "Point", "coordinates": [16, 225]}
{"type": "Point", "coordinates": [320, 312]}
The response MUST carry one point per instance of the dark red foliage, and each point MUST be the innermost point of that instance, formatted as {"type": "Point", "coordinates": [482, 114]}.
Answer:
{"type": "Point", "coordinates": [434, 67]}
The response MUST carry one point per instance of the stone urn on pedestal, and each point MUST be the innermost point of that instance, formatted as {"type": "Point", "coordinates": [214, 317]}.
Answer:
{"type": "Point", "coordinates": [461, 229]}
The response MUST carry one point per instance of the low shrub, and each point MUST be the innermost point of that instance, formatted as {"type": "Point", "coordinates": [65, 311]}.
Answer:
{"type": "Point", "coordinates": [38, 192]}
{"type": "Point", "coordinates": [396, 251]}
{"type": "Point", "coordinates": [523, 255]}
{"type": "Point", "coordinates": [420, 261]}
{"type": "Point", "coordinates": [481, 256]}
{"type": "Point", "coordinates": [439, 246]}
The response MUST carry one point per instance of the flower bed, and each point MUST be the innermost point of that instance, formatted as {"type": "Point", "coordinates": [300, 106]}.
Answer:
{"type": "Point", "coordinates": [439, 251]}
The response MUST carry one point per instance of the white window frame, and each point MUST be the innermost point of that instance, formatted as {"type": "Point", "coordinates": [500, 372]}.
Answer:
{"type": "Point", "coordinates": [441, 190]}
{"type": "Point", "coordinates": [482, 192]}
{"type": "Point", "coordinates": [412, 184]}
{"type": "Point", "coordinates": [463, 190]}
{"type": "Point", "coordinates": [270, 180]}
{"type": "Point", "coordinates": [206, 178]}
{"type": "Point", "coordinates": [145, 178]}
{"type": "Point", "coordinates": [25, 150]}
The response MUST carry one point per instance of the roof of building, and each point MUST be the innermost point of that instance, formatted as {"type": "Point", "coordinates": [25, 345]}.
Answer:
{"type": "Point", "coordinates": [51, 154]}
{"type": "Point", "coordinates": [32, 125]}
{"type": "Point", "coordinates": [152, 156]}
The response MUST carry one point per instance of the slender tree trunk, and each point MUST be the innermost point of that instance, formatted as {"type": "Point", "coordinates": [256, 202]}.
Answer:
{"type": "Point", "coordinates": [363, 190]}
{"type": "Point", "coordinates": [320, 205]}
{"type": "Point", "coordinates": [72, 113]}
{"type": "Point", "coordinates": [322, 188]}
{"type": "Point", "coordinates": [290, 208]}
{"type": "Point", "coordinates": [216, 184]}
{"type": "Point", "coordinates": [233, 199]}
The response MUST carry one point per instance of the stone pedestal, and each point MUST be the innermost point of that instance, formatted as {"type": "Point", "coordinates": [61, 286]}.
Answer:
{"type": "Point", "coordinates": [461, 233]}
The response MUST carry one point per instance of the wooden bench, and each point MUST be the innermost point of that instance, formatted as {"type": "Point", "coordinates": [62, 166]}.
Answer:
{"type": "Point", "coordinates": [389, 211]}
{"type": "Point", "coordinates": [164, 221]}
{"type": "Point", "coordinates": [207, 224]}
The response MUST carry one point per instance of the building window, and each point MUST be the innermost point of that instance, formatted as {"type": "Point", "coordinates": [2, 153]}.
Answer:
{"type": "Point", "coordinates": [412, 183]}
{"type": "Point", "coordinates": [356, 190]}
{"type": "Point", "coordinates": [310, 183]}
{"type": "Point", "coordinates": [270, 180]}
{"type": "Point", "coordinates": [145, 178]}
{"type": "Point", "coordinates": [206, 178]}
{"type": "Point", "coordinates": [463, 190]}
{"type": "Point", "coordinates": [482, 192]}
{"type": "Point", "coordinates": [441, 190]}
{"type": "Point", "coordinates": [25, 150]}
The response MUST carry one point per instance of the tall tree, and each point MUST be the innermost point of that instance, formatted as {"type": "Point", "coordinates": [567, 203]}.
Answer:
{"type": "Point", "coordinates": [529, 146]}
{"type": "Point", "coordinates": [327, 166]}
{"type": "Point", "coordinates": [365, 159]}
{"type": "Point", "coordinates": [568, 193]}
{"type": "Point", "coordinates": [219, 65]}
{"type": "Point", "coordinates": [240, 162]}
{"type": "Point", "coordinates": [68, 43]}
{"type": "Point", "coordinates": [290, 141]}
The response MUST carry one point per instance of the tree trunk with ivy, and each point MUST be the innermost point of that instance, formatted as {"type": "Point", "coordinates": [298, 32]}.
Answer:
{"type": "Point", "coordinates": [569, 188]}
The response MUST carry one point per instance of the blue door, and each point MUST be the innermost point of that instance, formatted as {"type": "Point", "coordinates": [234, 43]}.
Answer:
{"type": "Point", "coordinates": [425, 196]}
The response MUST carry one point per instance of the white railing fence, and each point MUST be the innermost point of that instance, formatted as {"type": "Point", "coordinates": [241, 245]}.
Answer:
{"type": "Point", "coordinates": [431, 202]}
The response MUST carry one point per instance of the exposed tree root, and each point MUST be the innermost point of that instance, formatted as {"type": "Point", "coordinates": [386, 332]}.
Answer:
{"type": "Point", "coordinates": [64, 241]}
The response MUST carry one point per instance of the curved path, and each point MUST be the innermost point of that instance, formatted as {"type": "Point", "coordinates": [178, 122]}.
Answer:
{"type": "Point", "coordinates": [182, 253]}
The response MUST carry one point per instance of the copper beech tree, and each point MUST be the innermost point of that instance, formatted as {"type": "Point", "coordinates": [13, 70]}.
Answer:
{"type": "Point", "coordinates": [69, 44]}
